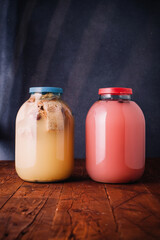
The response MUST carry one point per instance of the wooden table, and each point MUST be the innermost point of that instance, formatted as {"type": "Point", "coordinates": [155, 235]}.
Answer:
{"type": "Point", "coordinates": [79, 208]}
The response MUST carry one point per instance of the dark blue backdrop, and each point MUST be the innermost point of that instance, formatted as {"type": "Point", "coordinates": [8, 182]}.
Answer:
{"type": "Point", "coordinates": [79, 46]}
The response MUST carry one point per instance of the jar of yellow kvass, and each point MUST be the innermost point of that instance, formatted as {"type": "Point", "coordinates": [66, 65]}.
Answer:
{"type": "Point", "coordinates": [44, 137]}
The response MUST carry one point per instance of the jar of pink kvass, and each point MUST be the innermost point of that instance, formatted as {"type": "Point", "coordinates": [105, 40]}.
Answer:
{"type": "Point", "coordinates": [115, 137]}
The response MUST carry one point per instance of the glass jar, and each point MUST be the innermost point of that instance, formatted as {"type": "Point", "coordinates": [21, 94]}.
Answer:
{"type": "Point", "coordinates": [115, 138]}
{"type": "Point", "coordinates": [44, 137]}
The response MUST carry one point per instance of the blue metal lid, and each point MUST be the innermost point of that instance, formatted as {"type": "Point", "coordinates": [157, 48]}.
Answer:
{"type": "Point", "coordinates": [45, 90]}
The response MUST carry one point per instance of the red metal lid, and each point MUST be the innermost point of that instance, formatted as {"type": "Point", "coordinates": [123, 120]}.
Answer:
{"type": "Point", "coordinates": [115, 91]}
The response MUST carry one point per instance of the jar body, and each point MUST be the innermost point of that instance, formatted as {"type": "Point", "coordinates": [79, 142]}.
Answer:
{"type": "Point", "coordinates": [115, 141]}
{"type": "Point", "coordinates": [44, 139]}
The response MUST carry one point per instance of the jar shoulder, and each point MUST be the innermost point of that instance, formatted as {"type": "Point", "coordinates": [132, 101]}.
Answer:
{"type": "Point", "coordinates": [66, 107]}
{"type": "Point", "coordinates": [34, 106]}
{"type": "Point", "coordinates": [114, 108]}
{"type": "Point", "coordinates": [137, 109]}
{"type": "Point", "coordinates": [22, 110]}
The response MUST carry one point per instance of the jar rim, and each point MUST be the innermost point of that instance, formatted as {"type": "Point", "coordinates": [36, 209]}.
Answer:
{"type": "Point", "coordinates": [45, 90]}
{"type": "Point", "coordinates": [115, 91]}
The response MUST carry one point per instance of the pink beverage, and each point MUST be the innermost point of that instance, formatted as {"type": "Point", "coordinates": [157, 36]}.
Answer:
{"type": "Point", "coordinates": [115, 138]}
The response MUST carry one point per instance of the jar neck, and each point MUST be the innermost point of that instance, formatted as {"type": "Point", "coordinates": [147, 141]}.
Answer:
{"type": "Point", "coordinates": [114, 97]}
{"type": "Point", "coordinates": [47, 96]}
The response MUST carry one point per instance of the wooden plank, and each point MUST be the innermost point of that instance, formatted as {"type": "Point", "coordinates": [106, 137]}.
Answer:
{"type": "Point", "coordinates": [83, 212]}
{"type": "Point", "coordinates": [6, 166]}
{"type": "Point", "coordinates": [136, 211]}
{"type": "Point", "coordinates": [151, 178]}
{"type": "Point", "coordinates": [136, 208]}
{"type": "Point", "coordinates": [20, 213]}
{"type": "Point", "coordinates": [9, 181]}
{"type": "Point", "coordinates": [22, 202]}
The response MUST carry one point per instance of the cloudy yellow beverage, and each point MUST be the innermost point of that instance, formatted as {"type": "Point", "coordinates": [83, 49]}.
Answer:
{"type": "Point", "coordinates": [44, 139]}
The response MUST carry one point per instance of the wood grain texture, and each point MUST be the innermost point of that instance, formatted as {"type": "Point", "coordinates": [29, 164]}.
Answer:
{"type": "Point", "coordinates": [9, 182]}
{"type": "Point", "coordinates": [79, 208]}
